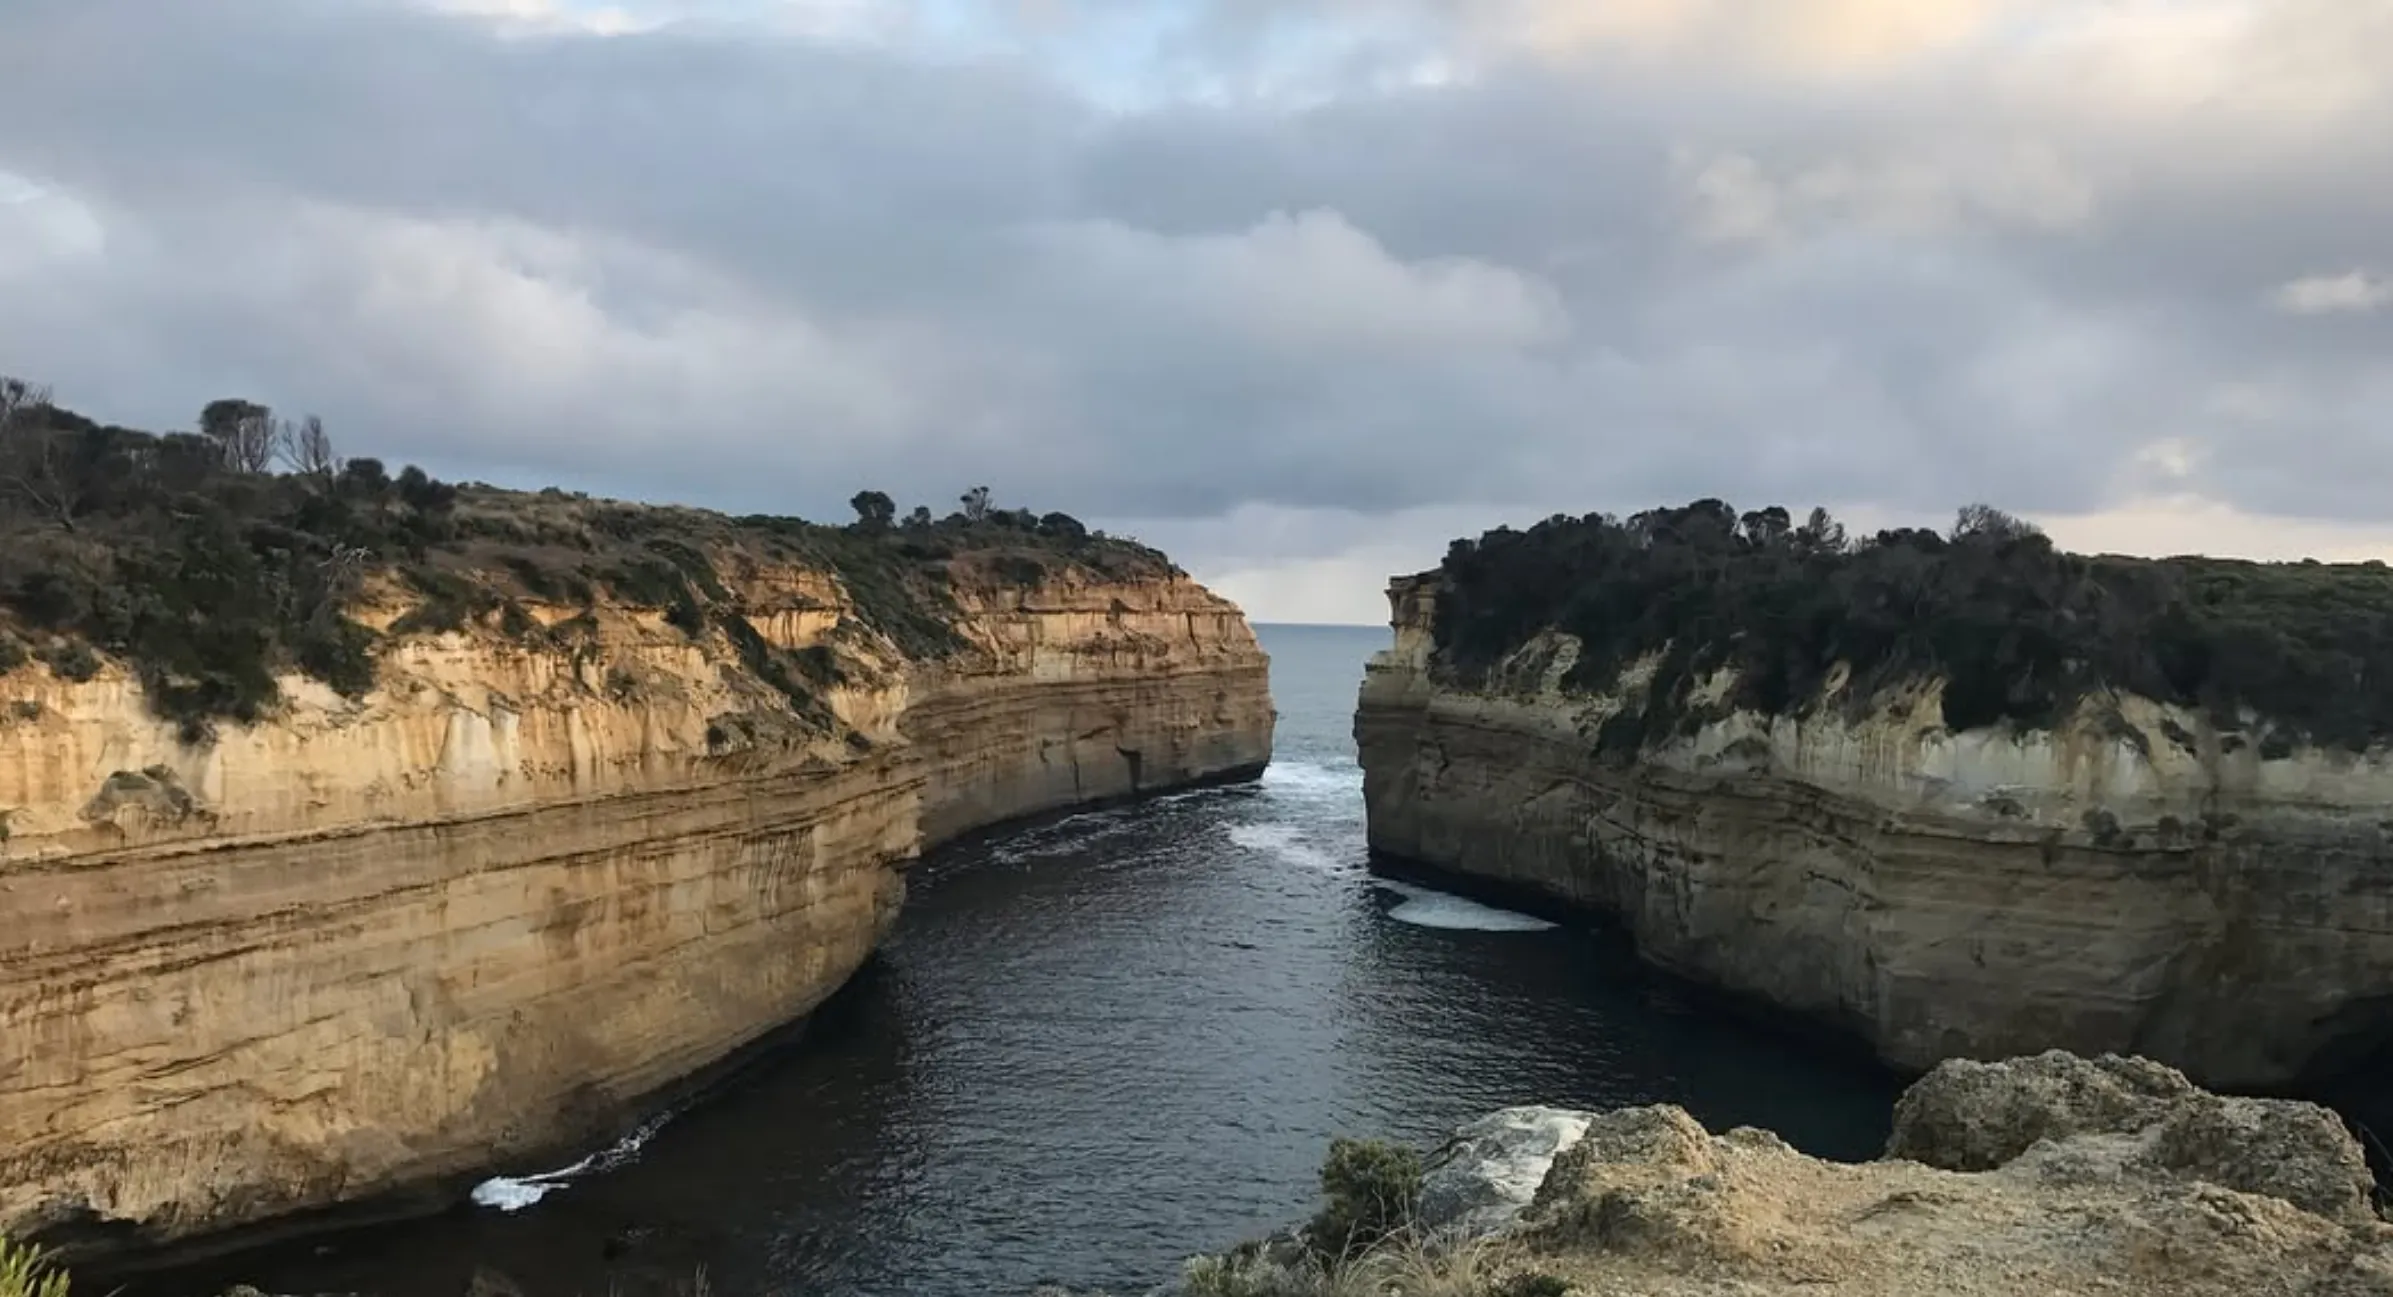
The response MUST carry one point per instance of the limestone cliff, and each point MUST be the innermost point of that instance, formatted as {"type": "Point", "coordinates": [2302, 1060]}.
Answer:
{"type": "Point", "coordinates": [554, 858]}
{"type": "Point", "coordinates": [2133, 877]}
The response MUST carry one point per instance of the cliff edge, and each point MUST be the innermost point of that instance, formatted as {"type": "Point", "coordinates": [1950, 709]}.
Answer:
{"type": "Point", "coordinates": [2048, 1174]}
{"type": "Point", "coordinates": [361, 832]}
{"type": "Point", "coordinates": [2038, 1175]}
{"type": "Point", "coordinates": [1958, 796]}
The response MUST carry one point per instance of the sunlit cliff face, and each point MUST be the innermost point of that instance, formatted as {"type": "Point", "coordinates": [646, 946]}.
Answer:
{"type": "Point", "coordinates": [486, 907]}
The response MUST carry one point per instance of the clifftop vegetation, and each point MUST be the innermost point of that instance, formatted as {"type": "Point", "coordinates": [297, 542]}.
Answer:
{"type": "Point", "coordinates": [209, 560]}
{"type": "Point", "coordinates": [2017, 630]}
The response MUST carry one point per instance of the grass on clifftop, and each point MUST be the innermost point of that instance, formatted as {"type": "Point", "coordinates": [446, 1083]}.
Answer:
{"type": "Point", "coordinates": [2017, 630]}
{"type": "Point", "coordinates": [210, 560]}
{"type": "Point", "coordinates": [26, 1271]}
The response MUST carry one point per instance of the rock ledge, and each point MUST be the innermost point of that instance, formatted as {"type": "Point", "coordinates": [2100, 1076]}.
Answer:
{"type": "Point", "coordinates": [2042, 1175]}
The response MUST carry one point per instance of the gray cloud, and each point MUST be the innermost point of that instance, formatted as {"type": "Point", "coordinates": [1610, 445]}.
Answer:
{"type": "Point", "coordinates": [1498, 257]}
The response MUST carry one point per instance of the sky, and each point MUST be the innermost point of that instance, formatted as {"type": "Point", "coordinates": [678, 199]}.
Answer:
{"type": "Point", "coordinates": [1298, 290]}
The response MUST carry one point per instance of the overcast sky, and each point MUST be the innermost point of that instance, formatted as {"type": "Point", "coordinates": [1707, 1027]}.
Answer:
{"type": "Point", "coordinates": [1298, 289]}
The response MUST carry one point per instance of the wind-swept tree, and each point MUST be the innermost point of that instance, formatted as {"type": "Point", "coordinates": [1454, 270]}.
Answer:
{"type": "Point", "coordinates": [874, 510]}
{"type": "Point", "coordinates": [244, 430]}
{"type": "Point", "coordinates": [1987, 521]}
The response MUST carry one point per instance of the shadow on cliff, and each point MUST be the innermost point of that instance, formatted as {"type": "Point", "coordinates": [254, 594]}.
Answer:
{"type": "Point", "coordinates": [1665, 1039]}
{"type": "Point", "coordinates": [2355, 1081]}
{"type": "Point", "coordinates": [2358, 1082]}
{"type": "Point", "coordinates": [643, 1233]}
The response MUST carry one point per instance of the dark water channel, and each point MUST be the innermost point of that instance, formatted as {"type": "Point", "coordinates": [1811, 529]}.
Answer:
{"type": "Point", "coordinates": [1097, 1044]}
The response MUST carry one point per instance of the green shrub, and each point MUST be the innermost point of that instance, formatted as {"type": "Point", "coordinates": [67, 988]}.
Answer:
{"type": "Point", "coordinates": [1252, 1272]}
{"type": "Point", "coordinates": [450, 600]}
{"type": "Point", "coordinates": [26, 1271]}
{"type": "Point", "coordinates": [515, 623]}
{"type": "Point", "coordinates": [1373, 1187]}
{"type": "Point", "coordinates": [2016, 630]}
{"type": "Point", "coordinates": [537, 580]}
{"type": "Point", "coordinates": [208, 580]}
{"type": "Point", "coordinates": [337, 651]}
{"type": "Point", "coordinates": [71, 660]}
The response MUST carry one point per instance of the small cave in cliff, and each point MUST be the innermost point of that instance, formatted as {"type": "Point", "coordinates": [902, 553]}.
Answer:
{"type": "Point", "coordinates": [2354, 1075]}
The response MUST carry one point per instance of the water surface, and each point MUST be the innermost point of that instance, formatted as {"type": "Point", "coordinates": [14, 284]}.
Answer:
{"type": "Point", "coordinates": [1097, 1044]}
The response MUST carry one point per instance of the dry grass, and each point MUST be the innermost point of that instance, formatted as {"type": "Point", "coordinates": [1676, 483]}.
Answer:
{"type": "Point", "coordinates": [1405, 1264]}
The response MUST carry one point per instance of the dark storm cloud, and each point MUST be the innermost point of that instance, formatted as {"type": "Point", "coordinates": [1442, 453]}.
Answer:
{"type": "Point", "coordinates": [758, 270]}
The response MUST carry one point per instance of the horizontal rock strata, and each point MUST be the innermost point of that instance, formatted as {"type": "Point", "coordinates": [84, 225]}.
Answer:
{"type": "Point", "coordinates": [2164, 889]}
{"type": "Point", "coordinates": [518, 886]}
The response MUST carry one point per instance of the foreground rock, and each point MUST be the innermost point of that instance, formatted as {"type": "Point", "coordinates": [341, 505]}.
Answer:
{"type": "Point", "coordinates": [541, 869]}
{"type": "Point", "coordinates": [2029, 1178]}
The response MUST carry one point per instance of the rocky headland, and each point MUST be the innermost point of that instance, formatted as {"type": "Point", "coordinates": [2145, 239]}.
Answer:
{"type": "Point", "coordinates": [1957, 795]}
{"type": "Point", "coordinates": [364, 831]}
{"type": "Point", "coordinates": [2033, 1176]}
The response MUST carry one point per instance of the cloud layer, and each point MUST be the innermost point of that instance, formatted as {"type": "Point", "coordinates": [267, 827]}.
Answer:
{"type": "Point", "coordinates": [1344, 277]}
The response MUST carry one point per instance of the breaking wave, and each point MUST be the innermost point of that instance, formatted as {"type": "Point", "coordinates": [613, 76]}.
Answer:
{"type": "Point", "coordinates": [515, 1193]}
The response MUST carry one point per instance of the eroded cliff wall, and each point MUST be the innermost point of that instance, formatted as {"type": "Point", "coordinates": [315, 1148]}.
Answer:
{"type": "Point", "coordinates": [525, 880]}
{"type": "Point", "coordinates": [2164, 887]}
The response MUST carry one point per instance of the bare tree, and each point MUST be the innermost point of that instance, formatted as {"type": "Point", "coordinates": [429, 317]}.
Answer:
{"type": "Point", "coordinates": [244, 430]}
{"type": "Point", "coordinates": [976, 504]}
{"type": "Point", "coordinates": [1992, 523]}
{"type": "Point", "coordinates": [18, 400]}
{"type": "Point", "coordinates": [35, 472]}
{"type": "Point", "coordinates": [340, 573]}
{"type": "Point", "coordinates": [306, 449]}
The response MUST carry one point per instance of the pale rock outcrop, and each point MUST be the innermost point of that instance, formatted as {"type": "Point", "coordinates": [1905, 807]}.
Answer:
{"type": "Point", "coordinates": [1970, 1116]}
{"type": "Point", "coordinates": [2110, 1175]}
{"type": "Point", "coordinates": [2211, 898]}
{"type": "Point", "coordinates": [524, 882]}
{"type": "Point", "coordinates": [1649, 1202]}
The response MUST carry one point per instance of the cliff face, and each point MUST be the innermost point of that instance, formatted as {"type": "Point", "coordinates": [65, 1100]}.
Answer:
{"type": "Point", "coordinates": [524, 880]}
{"type": "Point", "coordinates": [2160, 886]}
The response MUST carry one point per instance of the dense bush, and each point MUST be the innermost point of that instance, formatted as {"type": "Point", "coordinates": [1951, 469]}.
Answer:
{"type": "Point", "coordinates": [185, 556]}
{"type": "Point", "coordinates": [2017, 630]}
{"type": "Point", "coordinates": [1373, 1189]}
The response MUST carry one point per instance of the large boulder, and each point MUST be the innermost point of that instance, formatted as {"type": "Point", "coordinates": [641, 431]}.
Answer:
{"type": "Point", "coordinates": [1972, 1116]}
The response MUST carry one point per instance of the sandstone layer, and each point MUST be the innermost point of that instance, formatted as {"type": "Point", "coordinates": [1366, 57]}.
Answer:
{"type": "Point", "coordinates": [523, 882]}
{"type": "Point", "coordinates": [2163, 887]}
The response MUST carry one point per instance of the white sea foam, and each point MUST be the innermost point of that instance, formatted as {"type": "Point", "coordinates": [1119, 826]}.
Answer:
{"type": "Point", "coordinates": [1313, 781]}
{"type": "Point", "coordinates": [516, 1193]}
{"type": "Point", "coordinates": [1430, 909]}
{"type": "Point", "coordinates": [1287, 843]}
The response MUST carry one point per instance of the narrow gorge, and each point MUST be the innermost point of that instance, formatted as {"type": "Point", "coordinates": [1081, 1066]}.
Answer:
{"type": "Point", "coordinates": [622, 790]}
{"type": "Point", "coordinates": [1954, 796]}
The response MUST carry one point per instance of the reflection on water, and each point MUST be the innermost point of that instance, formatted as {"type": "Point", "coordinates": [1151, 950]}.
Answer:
{"type": "Point", "coordinates": [1097, 1044]}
